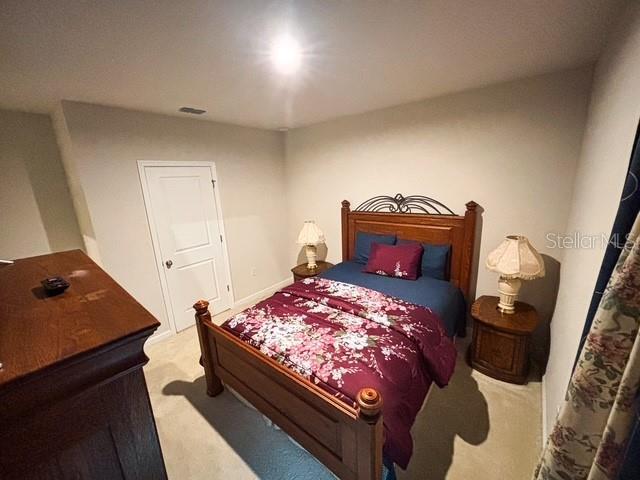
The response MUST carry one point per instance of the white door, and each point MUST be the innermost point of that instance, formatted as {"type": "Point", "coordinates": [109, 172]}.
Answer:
{"type": "Point", "coordinates": [187, 223]}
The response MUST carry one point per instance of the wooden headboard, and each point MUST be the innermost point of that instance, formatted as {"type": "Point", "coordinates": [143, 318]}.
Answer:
{"type": "Point", "coordinates": [434, 223]}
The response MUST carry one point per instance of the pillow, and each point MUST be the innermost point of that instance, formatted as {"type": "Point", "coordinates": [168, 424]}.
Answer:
{"type": "Point", "coordinates": [364, 241]}
{"type": "Point", "coordinates": [402, 261]}
{"type": "Point", "coordinates": [434, 259]}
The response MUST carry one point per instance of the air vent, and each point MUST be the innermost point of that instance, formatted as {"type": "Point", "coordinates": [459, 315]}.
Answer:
{"type": "Point", "coordinates": [191, 110]}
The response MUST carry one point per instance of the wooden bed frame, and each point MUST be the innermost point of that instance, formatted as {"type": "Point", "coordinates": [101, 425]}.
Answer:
{"type": "Point", "coordinates": [346, 440]}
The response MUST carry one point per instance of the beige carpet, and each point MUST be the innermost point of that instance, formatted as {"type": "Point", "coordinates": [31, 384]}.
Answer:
{"type": "Point", "coordinates": [477, 428]}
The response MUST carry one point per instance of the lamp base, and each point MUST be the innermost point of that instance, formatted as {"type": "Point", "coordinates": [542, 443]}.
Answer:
{"type": "Point", "coordinates": [508, 288]}
{"type": "Point", "coordinates": [311, 252]}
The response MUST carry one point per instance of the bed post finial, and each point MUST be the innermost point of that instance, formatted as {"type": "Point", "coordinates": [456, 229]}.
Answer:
{"type": "Point", "coordinates": [202, 308]}
{"type": "Point", "coordinates": [202, 311]}
{"type": "Point", "coordinates": [471, 206]}
{"type": "Point", "coordinates": [370, 403]}
{"type": "Point", "coordinates": [346, 204]}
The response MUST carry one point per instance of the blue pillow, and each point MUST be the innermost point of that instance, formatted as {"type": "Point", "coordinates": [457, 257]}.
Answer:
{"type": "Point", "coordinates": [434, 259]}
{"type": "Point", "coordinates": [364, 241]}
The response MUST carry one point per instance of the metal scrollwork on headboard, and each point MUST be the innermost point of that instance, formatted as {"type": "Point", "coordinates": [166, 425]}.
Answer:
{"type": "Point", "coordinates": [402, 204]}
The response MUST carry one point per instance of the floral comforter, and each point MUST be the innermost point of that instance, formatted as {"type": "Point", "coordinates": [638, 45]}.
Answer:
{"type": "Point", "coordinates": [344, 337]}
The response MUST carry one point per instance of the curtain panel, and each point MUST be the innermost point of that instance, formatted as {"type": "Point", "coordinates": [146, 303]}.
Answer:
{"type": "Point", "coordinates": [628, 209]}
{"type": "Point", "coordinates": [591, 434]}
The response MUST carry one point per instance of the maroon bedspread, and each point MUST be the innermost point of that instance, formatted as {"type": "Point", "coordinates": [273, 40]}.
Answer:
{"type": "Point", "coordinates": [344, 337]}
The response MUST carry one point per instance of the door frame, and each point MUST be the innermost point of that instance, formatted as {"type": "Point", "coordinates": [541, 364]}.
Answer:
{"type": "Point", "coordinates": [142, 164]}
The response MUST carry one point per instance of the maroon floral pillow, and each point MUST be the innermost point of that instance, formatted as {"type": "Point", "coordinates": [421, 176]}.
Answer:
{"type": "Point", "coordinates": [402, 261]}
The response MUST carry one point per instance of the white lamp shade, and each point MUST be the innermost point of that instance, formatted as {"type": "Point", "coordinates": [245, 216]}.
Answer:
{"type": "Point", "coordinates": [515, 257]}
{"type": "Point", "coordinates": [310, 234]}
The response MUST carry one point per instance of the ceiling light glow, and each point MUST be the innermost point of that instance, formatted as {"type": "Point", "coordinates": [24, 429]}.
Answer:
{"type": "Point", "coordinates": [286, 55]}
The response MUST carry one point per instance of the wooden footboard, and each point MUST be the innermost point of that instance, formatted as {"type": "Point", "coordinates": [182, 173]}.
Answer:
{"type": "Point", "coordinates": [345, 439]}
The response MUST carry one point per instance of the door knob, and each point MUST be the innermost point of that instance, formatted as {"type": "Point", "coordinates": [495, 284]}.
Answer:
{"type": "Point", "coordinates": [168, 263]}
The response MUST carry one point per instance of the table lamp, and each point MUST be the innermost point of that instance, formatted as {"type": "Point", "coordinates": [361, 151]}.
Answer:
{"type": "Point", "coordinates": [310, 236]}
{"type": "Point", "coordinates": [515, 259]}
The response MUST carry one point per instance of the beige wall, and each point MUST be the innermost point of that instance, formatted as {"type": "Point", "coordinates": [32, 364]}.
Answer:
{"type": "Point", "coordinates": [104, 145]}
{"type": "Point", "coordinates": [613, 118]}
{"type": "Point", "coordinates": [36, 214]}
{"type": "Point", "coordinates": [511, 147]}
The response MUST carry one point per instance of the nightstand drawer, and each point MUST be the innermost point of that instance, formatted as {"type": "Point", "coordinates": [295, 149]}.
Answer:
{"type": "Point", "coordinates": [497, 349]}
{"type": "Point", "coordinates": [500, 355]}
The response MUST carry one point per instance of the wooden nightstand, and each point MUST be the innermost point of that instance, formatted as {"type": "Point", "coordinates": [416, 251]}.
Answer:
{"type": "Point", "coordinates": [301, 271]}
{"type": "Point", "coordinates": [501, 342]}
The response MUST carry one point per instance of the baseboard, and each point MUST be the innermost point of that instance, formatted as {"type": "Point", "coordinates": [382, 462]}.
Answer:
{"type": "Point", "coordinates": [242, 303]}
{"type": "Point", "coordinates": [158, 337]}
{"type": "Point", "coordinates": [255, 297]}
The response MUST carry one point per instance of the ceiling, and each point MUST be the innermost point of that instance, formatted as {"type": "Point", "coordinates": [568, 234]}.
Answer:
{"type": "Point", "coordinates": [359, 55]}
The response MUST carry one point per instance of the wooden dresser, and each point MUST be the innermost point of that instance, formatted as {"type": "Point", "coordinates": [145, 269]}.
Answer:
{"type": "Point", "coordinates": [73, 398]}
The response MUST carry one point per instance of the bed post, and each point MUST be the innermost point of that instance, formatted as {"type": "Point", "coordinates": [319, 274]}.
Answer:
{"type": "Point", "coordinates": [467, 252]}
{"type": "Point", "coordinates": [369, 434]}
{"type": "Point", "coordinates": [207, 348]}
{"type": "Point", "coordinates": [345, 229]}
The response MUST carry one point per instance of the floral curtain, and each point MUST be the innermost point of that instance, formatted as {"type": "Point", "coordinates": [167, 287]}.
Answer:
{"type": "Point", "coordinates": [590, 437]}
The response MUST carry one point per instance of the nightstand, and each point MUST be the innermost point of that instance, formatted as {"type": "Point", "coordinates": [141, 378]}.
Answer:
{"type": "Point", "coordinates": [501, 341]}
{"type": "Point", "coordinates": [301, 271]}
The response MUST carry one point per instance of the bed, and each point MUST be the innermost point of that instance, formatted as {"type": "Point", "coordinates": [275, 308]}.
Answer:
{"type": "Point", "coordinates": [344, 429]}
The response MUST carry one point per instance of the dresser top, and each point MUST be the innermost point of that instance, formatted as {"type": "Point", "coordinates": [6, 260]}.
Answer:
{"type": "Point", "coordinates": [38, 332]}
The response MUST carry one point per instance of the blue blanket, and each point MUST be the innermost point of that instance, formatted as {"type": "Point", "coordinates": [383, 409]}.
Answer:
{"type": "Point", "coordinates": [442, 297]}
